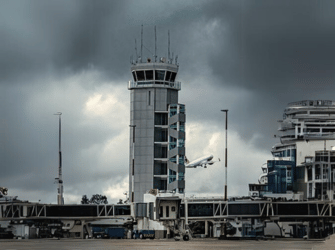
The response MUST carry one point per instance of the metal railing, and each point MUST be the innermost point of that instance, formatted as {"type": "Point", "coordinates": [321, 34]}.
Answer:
{"type": "Point", "coordinates": [150, 84]}
{"type": "Point", "coordinates": [312, 103]}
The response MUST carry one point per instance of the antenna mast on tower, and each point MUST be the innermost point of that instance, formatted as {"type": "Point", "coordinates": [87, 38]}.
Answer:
{"type": "Point", "coordinates": [136, 50]}
{"type": "Point", "coordinates": [141, 42]}
{"type": "Point", "coordinates": [168, 45]}
{"type": "Point", "coordinates": [155, 45]}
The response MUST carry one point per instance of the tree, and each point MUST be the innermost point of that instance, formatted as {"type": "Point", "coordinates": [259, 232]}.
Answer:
{"type": "Point", "coordinates": [95, 199]}
{"type": "Point", "coordinates": [98, 199]}
{"type": "Point", "coordinates": [85, 200]}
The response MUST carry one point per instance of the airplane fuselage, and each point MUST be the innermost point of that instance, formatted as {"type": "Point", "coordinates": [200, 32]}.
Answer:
{"type": "Point", "coordinates": [201, 162]}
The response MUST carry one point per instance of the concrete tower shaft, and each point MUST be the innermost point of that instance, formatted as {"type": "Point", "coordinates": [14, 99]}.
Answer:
{"type": "Point", "coordinates": [157, 129]}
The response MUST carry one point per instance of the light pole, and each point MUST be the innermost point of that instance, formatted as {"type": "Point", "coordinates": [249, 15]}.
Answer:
{"type": "Point", "coordinates": [226, 154]}
{"type": "Point", "coordinates": [59, 180]}
{"type": "Point", "coordinates": [131, 192]}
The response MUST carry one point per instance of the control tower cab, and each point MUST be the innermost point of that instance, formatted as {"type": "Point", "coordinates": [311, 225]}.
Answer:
{"type": "Point", "coordinates": [154, 74]}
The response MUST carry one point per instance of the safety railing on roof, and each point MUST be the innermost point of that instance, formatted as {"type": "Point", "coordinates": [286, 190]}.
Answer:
{"type": "Point", "coordinates": [150, 84]}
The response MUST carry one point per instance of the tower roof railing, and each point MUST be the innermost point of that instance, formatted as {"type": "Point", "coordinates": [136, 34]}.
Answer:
{"type": "Point", "coordinates": [150, 84]}
{"type": "Point", "coordinates": [312, 103]}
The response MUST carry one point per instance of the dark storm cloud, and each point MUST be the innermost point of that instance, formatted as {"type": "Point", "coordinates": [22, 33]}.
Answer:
{"type": "Point", "coordinates": [63, 35]}
{"type": "Point", "coordinates": [273, 44]}
{"type": "Point", "coordinates": [279, 51]}
{"type": "Point", "coordinates": [74, 35]}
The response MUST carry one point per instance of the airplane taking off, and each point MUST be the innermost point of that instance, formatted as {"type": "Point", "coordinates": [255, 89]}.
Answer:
{"type": "Point", "coordinates": [201, 162]}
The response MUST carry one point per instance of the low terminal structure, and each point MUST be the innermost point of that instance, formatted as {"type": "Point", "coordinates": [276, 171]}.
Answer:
{"type": "Point", "coordinates": [172, 215]}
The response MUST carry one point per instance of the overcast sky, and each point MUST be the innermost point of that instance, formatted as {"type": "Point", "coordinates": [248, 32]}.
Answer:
{"type": "Point", "coordinates": [251, 57]}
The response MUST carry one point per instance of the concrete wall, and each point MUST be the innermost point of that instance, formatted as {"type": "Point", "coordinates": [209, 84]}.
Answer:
{"type": "Point", "coordinates": [143, 104]}
{"type": "Point", "coordinates": [142, 115]}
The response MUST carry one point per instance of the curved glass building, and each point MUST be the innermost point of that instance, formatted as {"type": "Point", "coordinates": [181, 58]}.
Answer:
{"type": "Point", "coordinates": [304, 159]}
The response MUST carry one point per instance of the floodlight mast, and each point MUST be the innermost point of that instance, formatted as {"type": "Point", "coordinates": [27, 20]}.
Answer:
{"type": "Point", "coordinates": [59, 180]}
{"type": "Point", "coordinates": [226, 154]}
{"type": "Point", "coordinates": [131, 192]}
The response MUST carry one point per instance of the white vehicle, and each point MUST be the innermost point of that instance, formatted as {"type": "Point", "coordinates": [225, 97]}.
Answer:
{"type": "Point", "coordinates": [201, 162]}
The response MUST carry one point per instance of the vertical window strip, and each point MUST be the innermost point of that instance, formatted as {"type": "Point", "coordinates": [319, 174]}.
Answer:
{"type": "Point", "coordinates": [149, 98]}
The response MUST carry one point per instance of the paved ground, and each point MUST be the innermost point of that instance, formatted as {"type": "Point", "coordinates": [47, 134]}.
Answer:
{"type": "Point", "coordinates": [208, 244]}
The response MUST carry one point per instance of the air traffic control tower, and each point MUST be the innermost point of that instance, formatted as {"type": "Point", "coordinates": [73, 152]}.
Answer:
{"type": "Point", "coordinates": [157, 128]}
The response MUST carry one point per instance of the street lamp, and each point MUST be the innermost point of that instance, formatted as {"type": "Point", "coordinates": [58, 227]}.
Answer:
{"type": "Point", "coordinates": [131, 192]}
{"type": "Point", "coordinates": [226, 154]}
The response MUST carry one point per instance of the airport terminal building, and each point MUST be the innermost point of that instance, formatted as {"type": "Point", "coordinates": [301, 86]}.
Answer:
{"type": "Point", "coordinates": [304, 160]}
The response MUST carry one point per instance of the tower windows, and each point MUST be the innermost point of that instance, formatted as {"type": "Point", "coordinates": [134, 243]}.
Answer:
{"type": "Point", "coordinates": [149, 98]}
{"type": "Point", "coordinates": [161, 119]}
{"type": "Point", "coordinates": [149, 75]}
{"type": "Point", "coordinates": [173, 143]}
{"type": "Point", "coordinates": [140, 75]}
{"type": "Point", "coordinates": [160, 151]}
{"type": "Point", "coordinates": [161, 134]}
{"type": "Point", "coordinates": [160, 183]}
{"type": "Point", "coordinates": [134, 76]}
{"type": "Point", "coordinates": [172, 176]}
{"type": "Point", "coordinates": [159, 75]}
{"type": "Point", "coordinates": [182, 126]}
{"type": "Point", "coordinates": [173, 76]}
{"type": "Point", "coordinates": [173, 110]}
{"type": "Point", "coordinates": [160, 168]}
{"type": "Point", "coordinates": [168, 75]}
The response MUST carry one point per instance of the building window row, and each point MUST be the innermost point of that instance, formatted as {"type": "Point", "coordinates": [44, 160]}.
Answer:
{"type": "Point", "coordinates": [154, 75]}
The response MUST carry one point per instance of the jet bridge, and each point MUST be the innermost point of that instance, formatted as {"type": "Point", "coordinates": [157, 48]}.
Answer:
{"type": "Point", "coordinates": [27, 210]}
{"type": "Point", "coordinates": [61, 220]}
{"type": "Point", "coordinates": [246, 218]}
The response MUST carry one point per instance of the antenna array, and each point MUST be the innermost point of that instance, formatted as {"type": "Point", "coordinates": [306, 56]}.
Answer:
{"type": "Point", "coordinates": [139, 58]}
